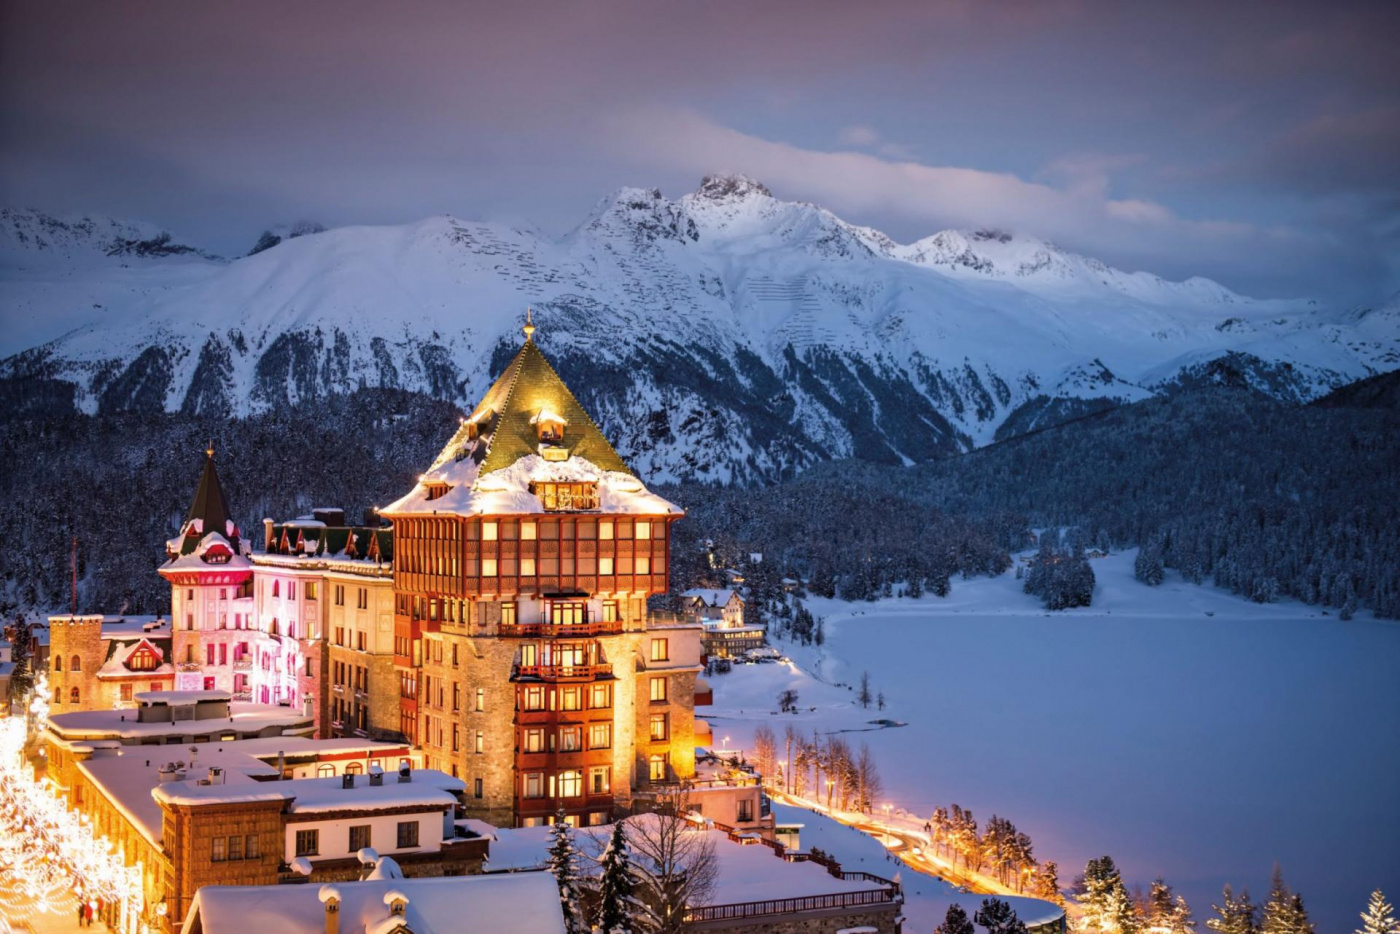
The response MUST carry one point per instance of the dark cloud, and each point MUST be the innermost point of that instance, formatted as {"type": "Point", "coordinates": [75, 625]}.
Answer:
{"type": "Point", "coordinates": [1188, 137]}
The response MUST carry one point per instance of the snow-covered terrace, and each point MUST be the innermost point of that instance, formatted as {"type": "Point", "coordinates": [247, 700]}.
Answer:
{"type": "Point", "coordinates": [523, 903]}
{"type": "Point", "coordinates": [122, 724]}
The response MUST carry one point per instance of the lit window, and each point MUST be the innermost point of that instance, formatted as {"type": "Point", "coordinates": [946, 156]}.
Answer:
{"type": "Point", "coordinates": [656, 768]}
{"type": "Point", "coordinates": [599, 696]}
{"type": "Point", "coordinates": [605, 530]}
{"type": "Point", "coordinates": [659, 730]}
{"type": "Point", "coordinates": [480, 699]}
{"type": "Point", "coordinates": [508, 615]}
{"type": "Point", "coordinates": [488, 567]}
{"type": "Point", "coordinates": [480, 742]}
{"type": "Point", "coordinates": [534, 784]}
{"type": "Point", "coordinates": [533, 740]}
{"type": "Point", "coordinates": [599, 781]}
{"type": "Point", "coordinates": [643, 564]}
{"type": "Point", "coordinates": [570, 739]}
{"type": "Point", "coordinates": [605, 566]}
{"type": "Point", "coordinates": [610, 611]}
{"type": "Point", "coordinates": [534, 698]}
{"type": "Point", "coordinates": [220, 850]}
{"type": "Point", "coordinates": [527, 567]}
{"type": "Point", "coordinates": [571, 699]}
{"type": "Point", "coordinates": [600, 736]}
{"type": "Point", "coordinates": [643, 530]}
{"type": "Point", "coordinates": [660, 650]}
{"type": "Point", "coordinates": [489, 531]}
{"type": "Point", "coordinates": [528, 531]}
{"type": "Point", "coordinates": [570, 783]}
{"type": "Point", "coordinates": [658, 689]}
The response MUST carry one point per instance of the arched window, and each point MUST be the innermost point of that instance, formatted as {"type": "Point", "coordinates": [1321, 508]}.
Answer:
{"type": "Point", "coordinates": [75, 664]}
{"type": "Point", "coordinates": [325, 770]}
{"type": "Point", "coordinates": [58, 663]}
{"type": "Point", "coordinates": [73, 696]}
{"type": "Point", "coordinates": [354, 768]}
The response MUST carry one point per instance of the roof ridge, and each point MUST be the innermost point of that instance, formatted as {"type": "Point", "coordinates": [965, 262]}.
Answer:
{"type": "Point", "coordinates": [517, 363]}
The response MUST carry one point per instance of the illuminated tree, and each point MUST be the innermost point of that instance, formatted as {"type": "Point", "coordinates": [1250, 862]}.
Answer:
{"type": "Point", "coordinates": [1379, 917]}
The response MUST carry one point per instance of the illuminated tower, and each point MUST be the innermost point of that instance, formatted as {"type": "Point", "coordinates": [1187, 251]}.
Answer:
{"type": "Point", "coordinates": [523, 560]}
{"type": "Point", "coordinates": [210, 589]}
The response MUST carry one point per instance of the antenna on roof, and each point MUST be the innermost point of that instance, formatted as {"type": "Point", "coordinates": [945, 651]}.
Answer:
{"type": "Point", "coordinates": [529, 327]}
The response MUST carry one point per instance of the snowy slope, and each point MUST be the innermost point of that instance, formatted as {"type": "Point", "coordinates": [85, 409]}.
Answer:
{"type": "Point", "coordinates": [725, 335]}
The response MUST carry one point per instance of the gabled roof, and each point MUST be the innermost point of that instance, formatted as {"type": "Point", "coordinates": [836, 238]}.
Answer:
{"type": "Point", "coordinates": [508, 411]}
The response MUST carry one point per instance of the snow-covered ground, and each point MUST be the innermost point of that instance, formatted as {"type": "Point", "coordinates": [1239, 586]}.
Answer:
{"type": "Point", "coordinates": [1183, 730]}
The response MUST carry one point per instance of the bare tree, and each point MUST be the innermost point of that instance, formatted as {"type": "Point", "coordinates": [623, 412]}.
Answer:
{"type": "Point", "coordinates": [868, 784]}
{"type": "Point", "coordinates": [674, 861]}
{"type": "Point", "coordinates": [790, 736]}
{"type": "Point", "coordinates": [765, 750]}
{"type": "Point", "coordinates": [865, 696]}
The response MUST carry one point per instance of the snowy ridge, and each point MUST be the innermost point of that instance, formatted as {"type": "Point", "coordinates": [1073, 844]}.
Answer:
{"type": "Point", "coordinates": [725, 335]}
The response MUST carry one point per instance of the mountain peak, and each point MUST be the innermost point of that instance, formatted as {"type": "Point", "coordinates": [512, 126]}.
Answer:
{"type": "Point", "coordinates": [731, 188]}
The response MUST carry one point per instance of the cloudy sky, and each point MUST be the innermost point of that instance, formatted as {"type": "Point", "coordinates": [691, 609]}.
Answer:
{"type": "Point", "coordinates": [1255, 143]}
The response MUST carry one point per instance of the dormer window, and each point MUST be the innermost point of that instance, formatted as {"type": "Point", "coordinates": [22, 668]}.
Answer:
{"type": "Point", "coordinates": [549, 426]}
{"type": "Point", "coordinates": [436, 489]}
{"type": "Point", "coordinates": [478, 424]}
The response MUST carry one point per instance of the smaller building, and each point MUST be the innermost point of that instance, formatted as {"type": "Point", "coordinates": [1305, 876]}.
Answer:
{"type": "Point", "coordinates": [524, 903]}
{"type": "Point", "coordinates": [101, 662]}
{"type": "Point", "coordinates": [721, 612]}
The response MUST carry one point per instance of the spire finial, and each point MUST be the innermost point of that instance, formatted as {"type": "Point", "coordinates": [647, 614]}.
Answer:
{"type": "Point", "coordinates": [209, 451]}
{"type": "Point", "coordinates": [529, 327]}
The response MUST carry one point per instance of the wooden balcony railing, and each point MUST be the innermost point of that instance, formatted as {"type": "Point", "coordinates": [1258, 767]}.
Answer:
{"type": "Point", "coordinates": [548, 630]}
{"type": "Point", "coordinates": [563, 672]}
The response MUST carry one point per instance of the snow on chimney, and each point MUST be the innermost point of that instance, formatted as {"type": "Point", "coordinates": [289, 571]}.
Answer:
{"type": "Point", "coordinates": [330, 898]}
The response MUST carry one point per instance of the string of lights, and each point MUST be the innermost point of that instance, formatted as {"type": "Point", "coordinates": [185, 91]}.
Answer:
{"type": "Point", "coordinates": [48, 851]}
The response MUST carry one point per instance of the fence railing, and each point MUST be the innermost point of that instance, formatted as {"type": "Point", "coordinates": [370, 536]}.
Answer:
{"type": "Point", "coordinates": [562, 672]}
{"type": "Point", "coordinates": [783, 906]}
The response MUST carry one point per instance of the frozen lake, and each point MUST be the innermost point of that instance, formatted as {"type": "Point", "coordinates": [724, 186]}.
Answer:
{"type": "Point", "coordinates": [1182, 730]}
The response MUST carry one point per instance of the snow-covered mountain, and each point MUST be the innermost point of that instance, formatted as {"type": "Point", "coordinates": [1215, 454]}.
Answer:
{"type": "Point", "coordinates": [724, 335]}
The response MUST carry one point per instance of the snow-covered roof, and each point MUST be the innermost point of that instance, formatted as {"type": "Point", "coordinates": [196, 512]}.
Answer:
{"type": "Point", "coordinates": [507, 491]}
{"type": "Point", "coordinates": [113, 627]}
{"type": "Point", "coordinates": [713, 596]}
{"type": "Point", "coordinates": [116, 664]}
{"type": "Point", "coordinates": [128, 777]}
{"type": "Point", "coordinates": [429, 789]}
{"type": "Point", "coordinates": [515, 848]}
{"type": "Point", "coordinates": [519, 903]}
{"type": "Point", "coordinates": [490, 462]}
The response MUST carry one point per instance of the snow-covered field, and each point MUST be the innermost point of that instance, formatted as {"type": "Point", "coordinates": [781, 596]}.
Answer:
{"type": "Point", "coordinates": [1184, 731]}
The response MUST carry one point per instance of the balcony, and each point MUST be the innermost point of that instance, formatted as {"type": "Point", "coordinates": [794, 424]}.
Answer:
{"type": "Point", "coordinates": [885, 893]}
{"type": "Point", "coordinates": [563, 672]}
{"type": "Point", "coordinates": [547, 630]}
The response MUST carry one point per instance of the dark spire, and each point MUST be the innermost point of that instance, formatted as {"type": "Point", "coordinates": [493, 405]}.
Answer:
{"type": "Point", "coordinates": [210, 504]}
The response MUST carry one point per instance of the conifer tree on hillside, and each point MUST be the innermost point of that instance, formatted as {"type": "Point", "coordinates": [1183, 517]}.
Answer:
{"type": "Point", "coordinates": [616, 904]}
{"type": "Point", "coordinates": [21, 652]}
{"type": "Point", "coordinates": [998, 917]}
{"type": "Point", "coordinates": [1379, 916]}
{"type": "Point", "coordinates": [1284, 913]}
{"type": "Point", "coordinates": [955, 921]}
{"type": "Point", "coordinates": [864, 696]}
{"type": "Point", "coordinates": [563, 862]}
{"type": "Point", "coordinates": [1148, 567]}
{"type": "Point", "coordinates": [1234, 914]}
{"type": "Point", "coordinates": [1106, 906]}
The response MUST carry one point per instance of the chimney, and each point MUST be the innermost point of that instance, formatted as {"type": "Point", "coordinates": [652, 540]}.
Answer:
{"type": "Point", "coordinates": [267, 534]}
{"type": "Point", "coordinates": [216, 775]}
{"type": "Point", "coordinates": [330, 898]}
{"type": "Point", "coordinates": [397, 902]}
{"type": "Point", "coordinates": [376, 779]}
{"type": "Point", "coordinates": [282, 763]}
{"type": "Point", "coordinates": [347, 780]}
{"type": "Point", "coordinates": [166, 772]}
{"type": "Point", "coordinates": [405, 773]}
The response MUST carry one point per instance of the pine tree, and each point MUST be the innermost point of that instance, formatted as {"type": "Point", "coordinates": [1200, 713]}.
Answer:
{"type": "Point", "coordinates": [955, 922]}
{"type": "Point", "coordinates": [21, 650]}
{"type": "Point", "coordinates": [1379, 916]}
{"type": "Point", "coordinates": [1234, 915]}
{"type": "Point", "coordinates": [615, 900]}
{"type": "Point", "coordinates": [1277, 911]}
{"type": "Point", "coordinates": [864, 697]}
{"type": "Point", "coordinates": [998, 917]}
{"type": "Point", "coordinates": [563, 862]}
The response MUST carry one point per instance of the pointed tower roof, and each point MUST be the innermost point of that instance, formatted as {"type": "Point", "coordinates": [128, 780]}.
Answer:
{"type": "Point", "coordinates": [528, 428]}
{"type": "Point", "coordinates": [527, 390]}
{"type": "Point", "coordinates": [209, 512]}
